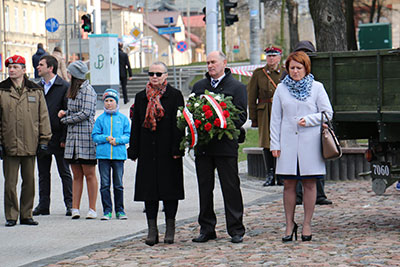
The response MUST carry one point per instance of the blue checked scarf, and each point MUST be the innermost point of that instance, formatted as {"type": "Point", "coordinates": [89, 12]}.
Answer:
{"type": "Point", "coordinates": [301, 90]}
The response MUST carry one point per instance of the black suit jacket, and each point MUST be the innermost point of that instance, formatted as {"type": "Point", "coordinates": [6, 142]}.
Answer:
{"type": "Point", "coordinates": [56, 100]}
{"type": "Point", "coordinates": [124, 64]}
{"type": "Point", "coordinates": [228, 86]}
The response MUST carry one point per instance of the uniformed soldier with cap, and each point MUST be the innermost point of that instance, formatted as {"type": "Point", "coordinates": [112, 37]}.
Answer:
{"type": "Point", "coordinates": [24, 132]}
{"type": "Point", "coordinates": [260, 91]}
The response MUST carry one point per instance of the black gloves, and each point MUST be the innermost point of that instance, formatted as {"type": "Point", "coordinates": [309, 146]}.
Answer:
{"type": "Point", "coordinates": [131, 154]}
{"type": "Point", "coordinates": [41, 150]}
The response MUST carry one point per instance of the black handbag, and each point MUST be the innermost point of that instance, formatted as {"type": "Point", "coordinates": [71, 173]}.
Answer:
{"type": "Point", "coordinates": [330, 145]}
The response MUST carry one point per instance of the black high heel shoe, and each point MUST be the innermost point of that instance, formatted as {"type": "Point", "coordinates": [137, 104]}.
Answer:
{"type": "Point", "coordinates": [305, 238]}
{"type": "Point", "coordinates": [289, 238]}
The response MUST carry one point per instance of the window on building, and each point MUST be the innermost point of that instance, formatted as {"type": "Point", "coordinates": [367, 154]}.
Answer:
{"type": "Point", "coordinates": [16, 17]}
{"type": "Point", "coordinates": [104, 26]}
{"type": "Point", "coordinates": [33, 21]}
{"type": "Point", "coordinates": [7, 18]}
{"type": "Point", "coordinates": [41, 23]}
{"type": "Point", "coordinates": [25, 20]}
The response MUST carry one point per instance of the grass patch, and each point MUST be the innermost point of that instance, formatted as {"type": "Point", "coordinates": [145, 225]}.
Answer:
{"type": "Point", "coordinates": [251, 141]}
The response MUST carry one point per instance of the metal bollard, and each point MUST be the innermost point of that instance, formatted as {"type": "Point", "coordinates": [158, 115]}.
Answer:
{"type": "Point", "coordinates": [180, 79]}
{"type": "Point", "coordinates": [351, 167]}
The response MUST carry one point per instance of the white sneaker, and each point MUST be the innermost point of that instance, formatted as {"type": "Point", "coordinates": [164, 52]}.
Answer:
{"type": "Point", "coordinates": [91, 214]}
{"type": "Point", "coordinates": [75, 214]}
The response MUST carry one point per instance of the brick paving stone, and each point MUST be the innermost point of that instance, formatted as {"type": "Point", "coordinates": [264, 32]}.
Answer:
{"type": "Point", "coordinates": [359, 229]}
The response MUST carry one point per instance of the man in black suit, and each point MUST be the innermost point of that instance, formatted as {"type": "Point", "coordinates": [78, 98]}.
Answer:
{"type": "Point", "coordinates": [124, 67]}
{"type": "Point", "coordinates": [221, 155]}
{"type": "Point", "coordinates": [55, 89]}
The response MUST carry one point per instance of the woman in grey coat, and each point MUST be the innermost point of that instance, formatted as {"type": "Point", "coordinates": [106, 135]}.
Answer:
{"type": "Point", "coordinates": [80, 149]}
{"type": "Point", "coordinates": [296, 139]}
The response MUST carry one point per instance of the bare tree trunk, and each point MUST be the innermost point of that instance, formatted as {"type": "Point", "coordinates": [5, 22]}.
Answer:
{"type": "Point", "coordinates": [329, 25]}
{"type": "Point", "coordinates": [282, 37]}
{"type": "Point", "coordinates": [372, 11]}
{"type": "Point", "coordinates": [350, 27]}
{"type": "Point", "coordinates": [293, 14]}
{"type": "Point", "coordinates": [379, 10]}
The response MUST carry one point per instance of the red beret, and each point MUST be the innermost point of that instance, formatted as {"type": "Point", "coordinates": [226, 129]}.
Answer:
{"type": "Point", "coordinates": [273, 50]}
{"type": "Point", "coordinates": [15, 60]}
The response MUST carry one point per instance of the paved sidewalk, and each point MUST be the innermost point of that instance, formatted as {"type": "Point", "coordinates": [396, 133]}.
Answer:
{"type": "Point", "coordinates": [359, 229]}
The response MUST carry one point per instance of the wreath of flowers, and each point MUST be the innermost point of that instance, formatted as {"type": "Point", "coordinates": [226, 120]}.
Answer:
{"type": "Point", "coordinates": [205, 117]}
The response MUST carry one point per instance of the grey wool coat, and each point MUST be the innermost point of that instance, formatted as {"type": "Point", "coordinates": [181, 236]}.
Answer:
{"type": "Point", "coordinates": [80, 120]}
{"type": "Point", "coordinates": [299, 144]}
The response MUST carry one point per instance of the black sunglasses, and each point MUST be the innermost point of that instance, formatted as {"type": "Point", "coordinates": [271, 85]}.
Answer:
{"type": "Point", "coordinates": [158, 74]}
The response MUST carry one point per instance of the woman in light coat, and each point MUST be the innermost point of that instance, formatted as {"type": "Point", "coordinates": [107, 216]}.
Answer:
{"type": "Point", "coordinates": [296, 139]}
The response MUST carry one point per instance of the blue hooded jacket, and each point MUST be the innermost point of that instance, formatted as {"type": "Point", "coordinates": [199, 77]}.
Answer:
{"type": "Point", "coordinates": [116, 125]}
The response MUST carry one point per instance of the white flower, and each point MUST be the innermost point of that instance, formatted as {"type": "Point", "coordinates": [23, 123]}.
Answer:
{"type": "Point", "coordinates": [192, 95]}
{"type": "Point", "coordinates": [218, 98]}
{"type": "Point", "coordinates": [178, 114]}
{"type": "Point", "coordinates": [196, 105]}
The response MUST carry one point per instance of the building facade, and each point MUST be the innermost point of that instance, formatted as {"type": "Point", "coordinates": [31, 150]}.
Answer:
{"type": "Point", "coordinates": [22, 27]}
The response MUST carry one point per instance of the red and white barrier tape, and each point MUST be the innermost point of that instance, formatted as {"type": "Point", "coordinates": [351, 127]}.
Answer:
{"type": "Point", "coordinates": [245, 70]}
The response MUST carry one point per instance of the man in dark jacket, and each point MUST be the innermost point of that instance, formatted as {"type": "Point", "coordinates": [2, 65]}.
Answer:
{"type": "Point", "coordinates": [36, 57]}
{"type": "Point", "coordinates": [124, 67]}
{"type": "Point", "coordinates": [55, 89]}
{"type": "Point", "coordinates": [221, 155]}
{"type": "Point", "coordinates": [24, 132]}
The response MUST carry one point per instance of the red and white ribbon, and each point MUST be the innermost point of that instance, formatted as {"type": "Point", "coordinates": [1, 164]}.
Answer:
{"type": "Point", "coordinates": [217, 109]}
{"type": "Point", "coordinates": [193, 131]}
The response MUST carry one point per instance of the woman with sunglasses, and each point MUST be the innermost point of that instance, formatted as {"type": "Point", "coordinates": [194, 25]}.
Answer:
{"type": "Point", "coordinates": [155, 142]}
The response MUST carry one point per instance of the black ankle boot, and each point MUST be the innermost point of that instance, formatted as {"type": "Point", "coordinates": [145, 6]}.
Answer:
{"type": "Point", "coordinates": [270, 179]}
{"type": "Point", "coordinates": [170, 231]}
{"type": "Point", "coordinates": [152, 236]}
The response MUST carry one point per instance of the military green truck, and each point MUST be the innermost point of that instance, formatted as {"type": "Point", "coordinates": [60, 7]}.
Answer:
{"type": "Point", "coordinates": [364, 89]}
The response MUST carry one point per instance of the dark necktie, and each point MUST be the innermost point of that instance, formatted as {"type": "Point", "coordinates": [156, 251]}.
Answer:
{"type": "Point", "coordinates": [214, 83]}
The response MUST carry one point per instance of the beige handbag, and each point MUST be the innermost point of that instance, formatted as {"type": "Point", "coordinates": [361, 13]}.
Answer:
{"type": "Point", "coordinates": [329, 143]}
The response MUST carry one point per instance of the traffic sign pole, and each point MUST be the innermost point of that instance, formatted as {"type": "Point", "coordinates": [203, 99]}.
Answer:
{"type": "Point", "coordinates": [172, 54]}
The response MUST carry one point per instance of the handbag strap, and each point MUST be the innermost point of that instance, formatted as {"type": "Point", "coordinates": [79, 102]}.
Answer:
{"type": "Point", "coordinates": [328, 122]}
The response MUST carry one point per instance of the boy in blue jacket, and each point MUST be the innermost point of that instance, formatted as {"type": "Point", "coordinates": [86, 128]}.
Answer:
{"type": "Point", "coordinates": [111, 132]}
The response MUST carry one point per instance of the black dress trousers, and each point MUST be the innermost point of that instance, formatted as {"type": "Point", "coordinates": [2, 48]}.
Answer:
{"type": "Point", "coordinates": [230, 185]}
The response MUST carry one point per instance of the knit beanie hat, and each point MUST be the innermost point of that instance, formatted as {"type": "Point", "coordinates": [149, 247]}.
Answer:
{"type": "Point", "coordinates": [111, 93]}
{"type": "Point", "coordinates": [78, 69]}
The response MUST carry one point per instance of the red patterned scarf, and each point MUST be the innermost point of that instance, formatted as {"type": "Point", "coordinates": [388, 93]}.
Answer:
{"type": "Point", "coordinates": [155, 110]}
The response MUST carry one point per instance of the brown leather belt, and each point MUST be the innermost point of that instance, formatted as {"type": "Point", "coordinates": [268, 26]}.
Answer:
{"type": "Point", "coordinates": [265, 100]}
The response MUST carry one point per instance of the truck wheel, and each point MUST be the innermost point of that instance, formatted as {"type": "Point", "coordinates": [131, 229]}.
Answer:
{"type": "Point", "coordinates": [379, 186]}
